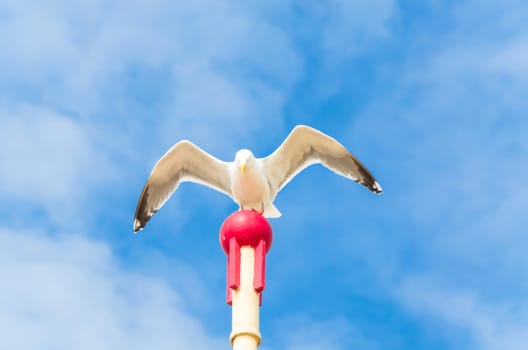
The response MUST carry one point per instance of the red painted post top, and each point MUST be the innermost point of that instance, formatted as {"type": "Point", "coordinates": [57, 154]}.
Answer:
{"type": "Point", "coordinates": [245, 228]}
{"type": "Point", "coordinates": [248, 227]}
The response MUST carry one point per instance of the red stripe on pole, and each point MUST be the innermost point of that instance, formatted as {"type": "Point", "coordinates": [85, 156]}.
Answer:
{"type": "Point", "coordinates": [259, 280]}
{"type": "Point", "coordinates": [229, 295]}
{"type": "Point", "coordinates": [233, 268]}
{"type": "Point", "coordinates": [229, 291]}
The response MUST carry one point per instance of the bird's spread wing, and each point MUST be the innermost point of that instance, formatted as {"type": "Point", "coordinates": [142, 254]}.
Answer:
{"type": "Point", "coordinates": [306, 146]}
{"type": "Point", "coordinates": [183, 162]}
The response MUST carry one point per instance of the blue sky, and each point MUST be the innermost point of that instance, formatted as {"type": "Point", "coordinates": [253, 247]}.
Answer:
{"type": "Point", "coordinates": [431, 96]}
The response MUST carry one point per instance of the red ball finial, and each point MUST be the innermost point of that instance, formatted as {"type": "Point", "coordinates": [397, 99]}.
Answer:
{"type": "Point", "coordinates": [248, 227]}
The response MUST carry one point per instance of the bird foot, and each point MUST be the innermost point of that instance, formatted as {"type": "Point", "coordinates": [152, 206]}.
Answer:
{"type": "Point", "coordinates": [261, 211]}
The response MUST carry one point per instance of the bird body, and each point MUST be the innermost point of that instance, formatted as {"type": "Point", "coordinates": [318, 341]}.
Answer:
{"type": "Point", "coordinates": [251, 182]}
{"type": "Point", "coordinates": [250, 188]}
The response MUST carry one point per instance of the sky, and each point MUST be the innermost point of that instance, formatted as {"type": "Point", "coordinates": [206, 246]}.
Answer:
{"type": "Point", "coordinates": [431, 96]}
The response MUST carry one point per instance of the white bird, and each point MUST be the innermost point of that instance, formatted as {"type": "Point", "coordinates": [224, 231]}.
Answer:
{"type": "Point", "coordinates": [251, 182]}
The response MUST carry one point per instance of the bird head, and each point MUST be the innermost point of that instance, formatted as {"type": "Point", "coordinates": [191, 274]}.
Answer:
{"type": "Point", "coordinates": [243, 159]}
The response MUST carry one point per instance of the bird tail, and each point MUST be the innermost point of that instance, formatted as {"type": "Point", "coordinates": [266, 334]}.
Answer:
{"type": "Point", "coordinates": [270, 211]}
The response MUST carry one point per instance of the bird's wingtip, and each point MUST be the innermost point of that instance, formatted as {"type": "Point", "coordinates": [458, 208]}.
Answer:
{"type": "Point", "coordinates": [137, 226]}
{"type": "Point", "coordinates": [376, 188]}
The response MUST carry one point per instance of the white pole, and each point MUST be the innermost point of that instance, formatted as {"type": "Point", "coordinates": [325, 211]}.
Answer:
{"type": "Point", "coordinates": [245, 334]}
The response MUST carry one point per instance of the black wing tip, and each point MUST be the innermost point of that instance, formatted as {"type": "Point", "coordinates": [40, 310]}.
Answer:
{"type": "Point", "coordinates": [373, 186]}
{"type": "Point", "coordinates": [141, 220]}
{"type": "Point", "coordinates": [142, 216]}
{"type": "Point", "coordinates": [138, 225]}
{"type": "Point", "coordinates": [376, 188]}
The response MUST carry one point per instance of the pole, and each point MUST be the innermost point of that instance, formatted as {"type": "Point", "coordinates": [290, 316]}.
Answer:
{"type": "Point", "coordinates": [245, 237]}
{"type": "Point", "coordinates": [245, 334]}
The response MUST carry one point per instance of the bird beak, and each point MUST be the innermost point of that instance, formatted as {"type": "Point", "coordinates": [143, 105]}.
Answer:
{"type": "Point", "coordinates": [242, 168]}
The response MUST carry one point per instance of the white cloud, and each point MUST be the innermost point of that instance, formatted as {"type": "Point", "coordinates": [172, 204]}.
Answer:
{"type": "Point", "coordinates": [491, 325]}
{"type": "Point", "coordinates": [296, 332]}
{"type": "Point", "coordinates": [69, 292]}
{"type": "Point", "coordinates": [220, 61]}
{"type": "Point", "coordinates": [46, 157]}
{"type": "Point", "coordinates": [453, 149]}
{"type": "Point", "coordinates": [49, 162]}
{"type": "Point", "coordinates": [354, 26]}
{"type": "Point", "coordinates": [452, 128]}
{"type": "Point", "coordinates": [507, 58]}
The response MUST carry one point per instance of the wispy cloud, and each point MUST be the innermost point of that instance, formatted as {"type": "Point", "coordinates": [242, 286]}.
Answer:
{"type": "Point", "coordinates": [222, 66]}
{"type": "Point", "coordinates": [353, 26]}
{"type": "Point", "coordinates": [49, 162]}
{"type": "Point", "coordinates": [297, 332]}
{"type": "Point", "coordinates": [488, 325]}
{"type": "Point", "coordinates": [69, 292]}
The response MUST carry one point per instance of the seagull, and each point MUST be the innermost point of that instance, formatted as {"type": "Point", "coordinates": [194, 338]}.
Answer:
{"type": "Point", "coordinates": [253, 183]}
